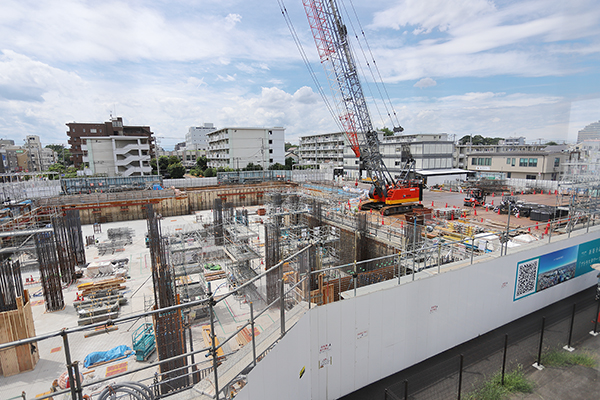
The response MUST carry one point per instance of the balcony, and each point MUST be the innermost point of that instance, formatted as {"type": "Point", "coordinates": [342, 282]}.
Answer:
{"type": "Point", "coordinates": [130, 147]}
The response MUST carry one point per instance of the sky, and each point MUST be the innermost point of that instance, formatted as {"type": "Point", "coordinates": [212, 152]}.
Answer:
{"type": "Point", "coordinates": [464, 67]}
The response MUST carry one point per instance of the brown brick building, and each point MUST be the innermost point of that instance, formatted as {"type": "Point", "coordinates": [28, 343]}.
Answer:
{"type": "Point", "coordinates": [114, 127]}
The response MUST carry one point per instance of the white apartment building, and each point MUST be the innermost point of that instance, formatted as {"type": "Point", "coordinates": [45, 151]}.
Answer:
{"type": "Point", "coordinates": [431, 151]}
{"type": "Point", "coordinates": [237, 147]}
{"type": "Point", "coordinates": [38, 157]}
{"type": "Point", "coordinates": [325, 149]}
{"type": "Point", "coordinates": [117, 155]}
{"type": "Point", "coordinates": [195, 138]}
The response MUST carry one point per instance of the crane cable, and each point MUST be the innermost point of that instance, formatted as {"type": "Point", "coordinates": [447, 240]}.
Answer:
{"type": "Point", "coordinates": [313, 75]}
{"type": "Point", "coordinates": [378, 81]}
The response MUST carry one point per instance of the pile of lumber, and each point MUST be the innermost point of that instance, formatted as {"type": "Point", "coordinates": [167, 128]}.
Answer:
{"type": "Point", "coordinates": [214, 275]}
{"type": "Point", "coordinates": [90, 288]}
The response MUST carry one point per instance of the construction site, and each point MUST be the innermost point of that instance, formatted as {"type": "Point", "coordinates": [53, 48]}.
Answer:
{"type": "Point", "coordinates": [157, 292]}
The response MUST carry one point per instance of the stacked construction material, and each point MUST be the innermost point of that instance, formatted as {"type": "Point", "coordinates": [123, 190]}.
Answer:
{"type": "Point", "coordinates": [118, 239]}
{"type": "Point", "coordinates": [102, 300]}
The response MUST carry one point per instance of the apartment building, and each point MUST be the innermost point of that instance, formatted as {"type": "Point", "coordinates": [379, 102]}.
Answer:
{"type": "Point", "coordinates": [431, 151]}
{"type": "Point", "coordinates": [117, 155]}
{"type": "Point", "coordinates": [322, 149]}
{"type": "Point", "coordinates": [195, 138]}
{"type": "Point", "coordinates": [114, 127]}
{"type": "Point", "coordinates": [237, 147]}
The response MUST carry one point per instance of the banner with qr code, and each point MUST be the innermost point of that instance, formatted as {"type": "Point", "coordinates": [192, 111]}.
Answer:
{"type": "Point", "coordinates": [548, 270]}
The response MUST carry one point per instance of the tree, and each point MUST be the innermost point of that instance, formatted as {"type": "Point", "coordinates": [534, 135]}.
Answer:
{"type": "Point", "coordinates": [202, 163]}
{"type": "Point", "coordinates": [176, 170]}
{"type": "Point", "coordinates": [210, 172]}
{"type": "Point", "coordinates": [386, 131]}
{"type": "Point", "coordinates": [58, 168]}
{"type": "Point", "coordinates": [289, 162]}
{"type": "Point", "coordinates": [276, 167]}
{"type": "Point", "coordinates": [551, 143]}
{"type": "Point", "coordinates": [252, 167]}
{"type": "Point", "coordinates": [479, 140]}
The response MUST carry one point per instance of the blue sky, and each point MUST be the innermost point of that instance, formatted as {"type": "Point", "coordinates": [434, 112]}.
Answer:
{"type": "Point", "coordinates": [495, 68]}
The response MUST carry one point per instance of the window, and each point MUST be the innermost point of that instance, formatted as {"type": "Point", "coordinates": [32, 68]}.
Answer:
{"type": "Point", "coordinates": [270, 132]}
{"type": "Point", "coordinates": [523, 162]}
{"type": "Point", "coordinates": [481, 161]}
{"type": "Point", "coordinates": [556, 162]}
{"type": "Point", "coordinates": [270, 160]}
{"type": "Point", "coordinates": [93, 130]}
{"type": "Point", "coordinates": [84, 129]}
{"type": "Point", "coordinates": [271, 151]}
{"type": "Point", "coordinates": [270, 141]}
{"type": "Point", "coordinates": [533, 177]}
{"type": "Point", "coordinates": [508, 161]}
{"type": "Point", "coordinates": [397, 163]}
{"type": "Point", "coordinates": [513, 162]}
{"type": "Point", "coordinates": [533, 162]}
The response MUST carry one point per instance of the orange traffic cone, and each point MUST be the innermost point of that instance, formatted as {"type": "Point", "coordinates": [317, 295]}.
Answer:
{"type": "Point", "coordinates": [432, 204]}
{"type": "Point", "coordinates": [493, 194]}
{"type": "Point", "coordinates": [537, 225]}
{"type": "Point", "coordinates": [475, 210]}
{"type": "Point", "coordinates": [446, 205]}
{"type": "Point", "coordinates": [382, 221]}
{"type": "Point", "coordinates": [498, 210]}
{"type": "Point", "coordinates": [529, 229]}
{"type": "Point", "coordinates": [487, 209]}
{"type": "Point", "coordinates": [492, 202]}
{"type": "Point", "coordinates": [482, 220]}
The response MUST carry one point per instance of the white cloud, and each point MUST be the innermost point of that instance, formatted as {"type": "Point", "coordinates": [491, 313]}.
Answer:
{"type": "Point", "coordinates": [75, 30]}
{"type": "Point", "coordinates": [432, 14]}
{"type": "Point", "coordinates": [476, 38]}
{"type": "Point", "coordinates": [425, 82]}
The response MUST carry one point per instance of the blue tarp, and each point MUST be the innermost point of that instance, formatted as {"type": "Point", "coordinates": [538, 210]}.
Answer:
{"type": "Point", "coordinates": [156, 186]}
{"type": "Point", "coordinates": [102, 356]}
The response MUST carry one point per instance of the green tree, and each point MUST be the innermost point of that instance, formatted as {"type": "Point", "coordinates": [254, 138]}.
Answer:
{"type": "Point", "coordinates": [58, 168]}
{"type": "Point", "coordinates": [252, 167]}
{"type": "Point", "coordinates": [210, 172]}
{"type": "Point", "coordinates": [176, 170]}
{"type": "Point", "coordinates": [386, 131]}
{"type": "Point", "coordinates": [71, 172]}
{"type": "Point", "coordinates": [202, 163]}
{"type": "Point", "coordinates": [289, 162]}
{"type": "Point", "coordinates": [551, 143]}
{"type": "Point", "coordinates": [479, 140]}
{"type": "Point", "coordinates": [276, 167]}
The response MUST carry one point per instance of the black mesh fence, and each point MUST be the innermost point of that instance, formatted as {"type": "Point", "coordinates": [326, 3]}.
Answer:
{"type": "Point", "coordinates": [566, 324]}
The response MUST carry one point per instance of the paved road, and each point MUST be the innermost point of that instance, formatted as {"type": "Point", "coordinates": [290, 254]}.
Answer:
{"type": "Point", "coordinates": [435, 378]}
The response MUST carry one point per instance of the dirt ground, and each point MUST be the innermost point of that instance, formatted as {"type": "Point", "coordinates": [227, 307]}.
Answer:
{"type": "Point", "coordinates": [438, 199]}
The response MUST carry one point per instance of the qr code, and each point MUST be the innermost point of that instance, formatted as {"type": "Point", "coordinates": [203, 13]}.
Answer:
{"type": "Point", "coordinates": [526, 278]}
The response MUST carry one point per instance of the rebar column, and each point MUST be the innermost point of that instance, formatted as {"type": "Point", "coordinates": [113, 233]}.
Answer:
{"type": "Point", "coordinates": [49, 271]}
{"type": "Point", "coordinates": [11, 285]}
{"type": "Point", "coordinates": [218, 221]}
{"type": "Point", "coordinates": [170, 341]}
{"type": "Point", "coordinates": [271, 259]}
